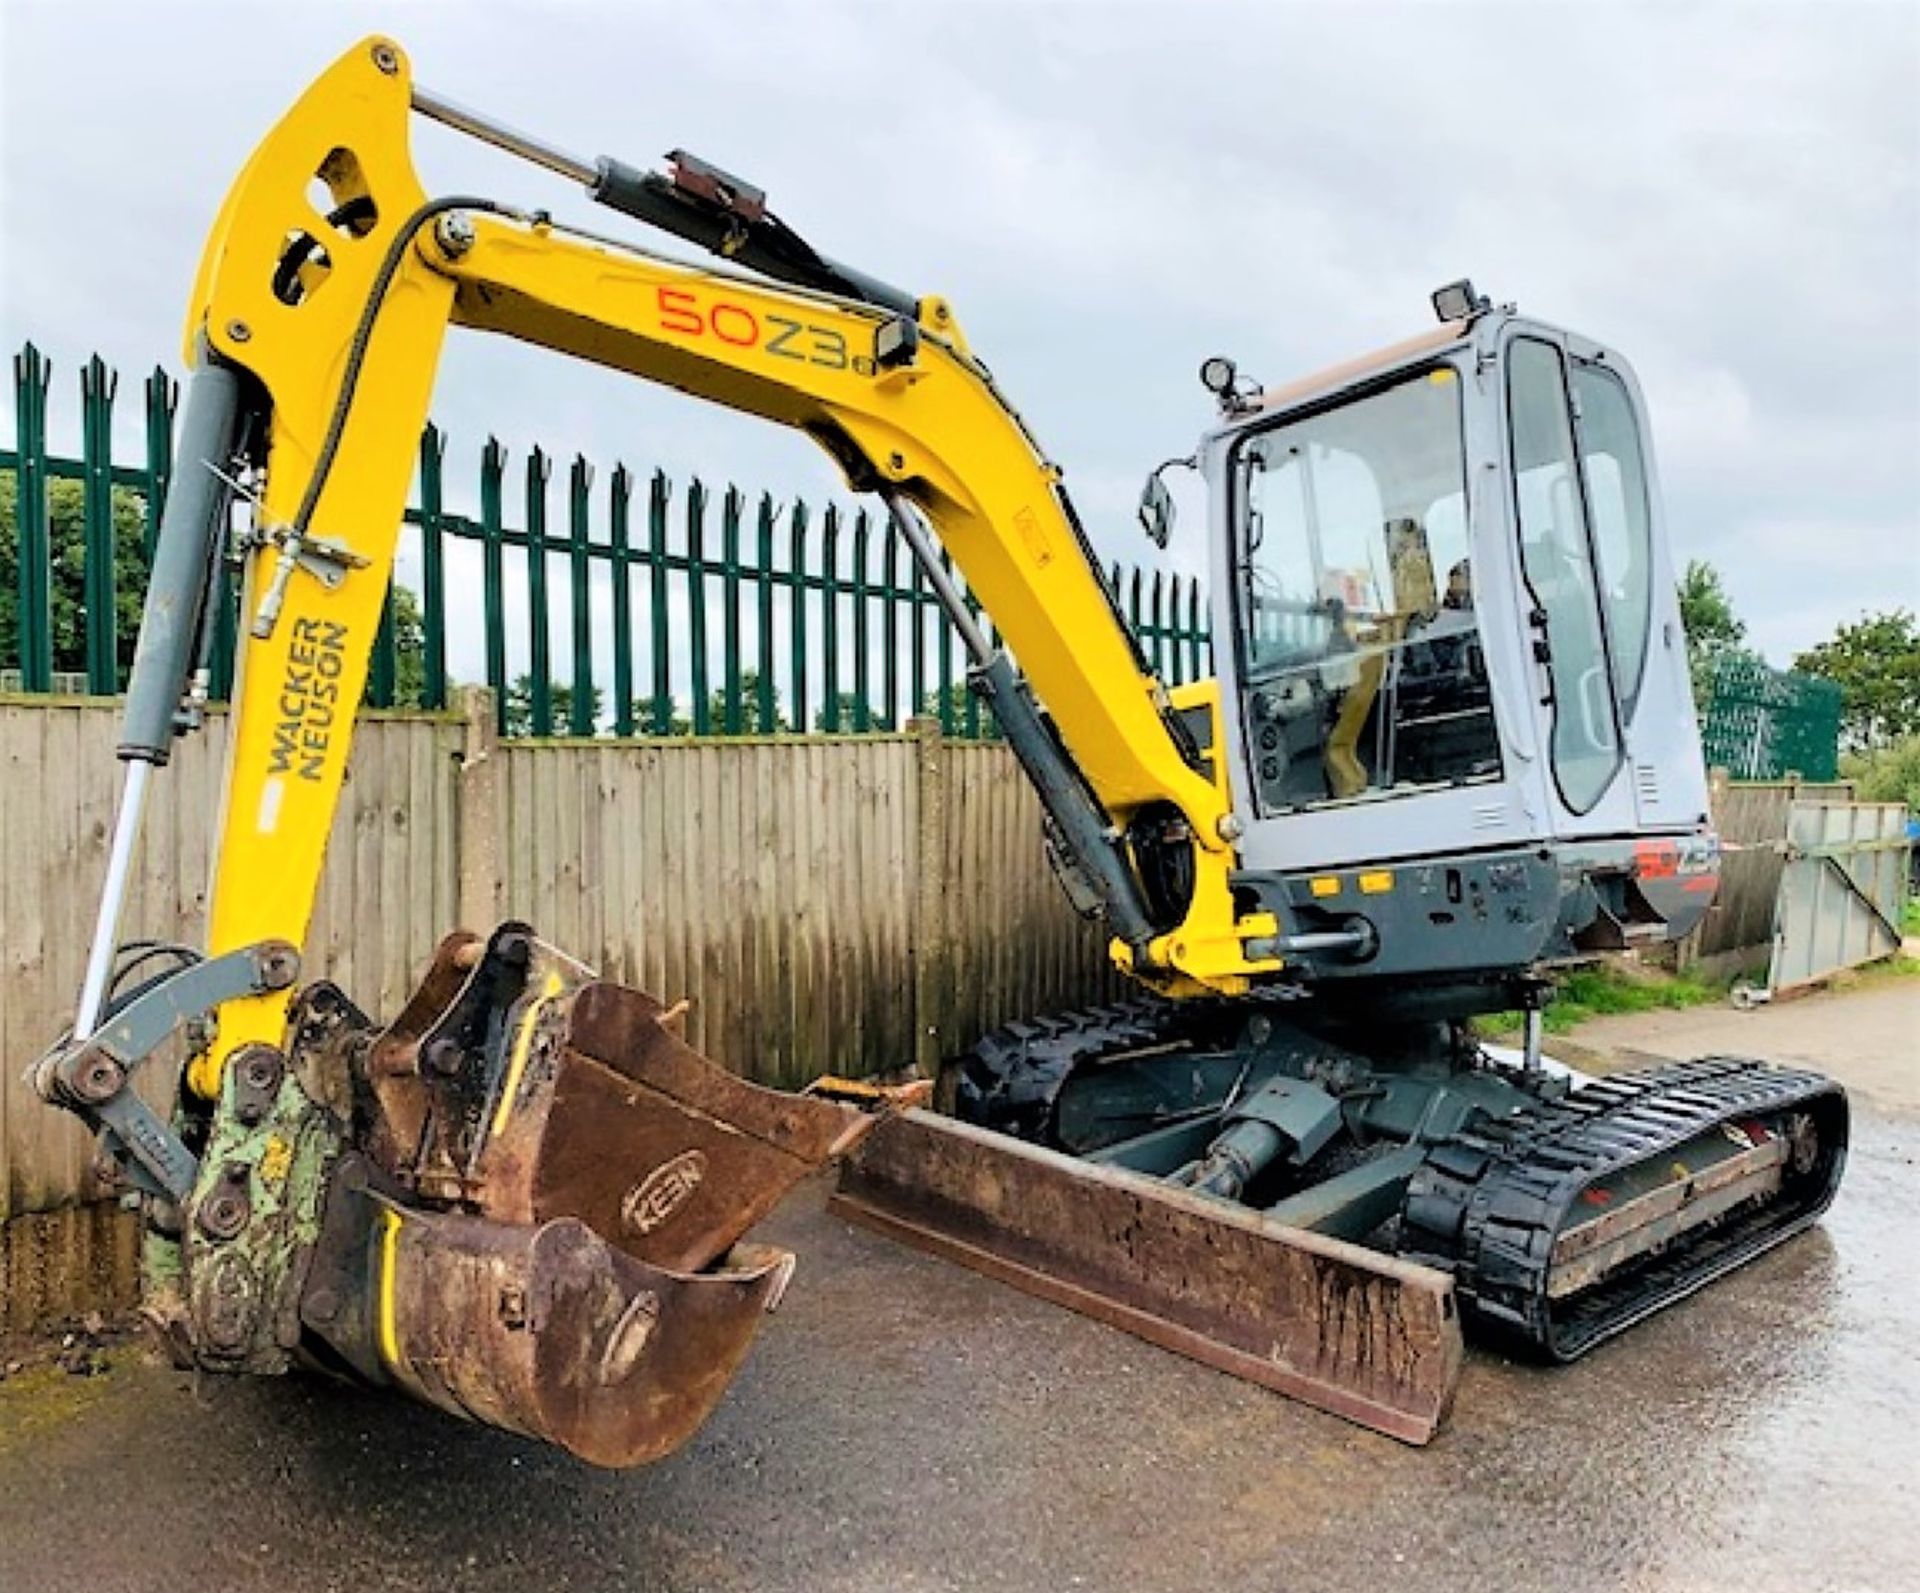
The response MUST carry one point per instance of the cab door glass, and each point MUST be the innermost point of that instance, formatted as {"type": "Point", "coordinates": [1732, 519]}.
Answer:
{"type": "Point", "coordinates": [1622, 525]}
{"type": "Point", "coordinates": [1557, 555]}
{"type": "Point", "coordinates": [1362, 660]}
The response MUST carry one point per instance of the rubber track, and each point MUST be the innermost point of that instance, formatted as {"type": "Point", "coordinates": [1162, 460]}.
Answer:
{"type": "Point", "coordinates": [1491, 1200]}
{"type": "Point", "coordinates": [1011, 1079]}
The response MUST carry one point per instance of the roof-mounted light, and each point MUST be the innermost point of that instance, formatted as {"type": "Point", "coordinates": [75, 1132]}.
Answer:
{"type": "Point", "coordinates": [1458, 302]}
{"type": "Point", "coordinates": [1222, 378]}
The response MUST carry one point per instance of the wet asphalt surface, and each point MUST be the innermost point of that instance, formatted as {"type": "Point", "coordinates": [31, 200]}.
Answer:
{"type": "Point", "coordinates": [903, 1426]}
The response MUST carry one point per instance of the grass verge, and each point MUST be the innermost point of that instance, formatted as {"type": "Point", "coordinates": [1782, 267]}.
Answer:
{"type": "Point", "coordinates": [1603, 990]}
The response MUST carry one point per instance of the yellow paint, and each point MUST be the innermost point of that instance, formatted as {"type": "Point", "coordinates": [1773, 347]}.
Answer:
{"type": "Point", "coordinates": [297, 352]}
{"type": "Point", "coordinates": [938, 430]}
{"type": "Point", "coordinates": [1377, 883]}
{"type": "Point", "coordinates": [1441, 377]}
{"type": "Point", "coordinates": [1325, 885]}
{"type": "Point", "coordinates": [550, 987]}
{"type": "Point", "coordinates": [388, 1316]}
{"type": "Point", "coordinates": [275, 1160]}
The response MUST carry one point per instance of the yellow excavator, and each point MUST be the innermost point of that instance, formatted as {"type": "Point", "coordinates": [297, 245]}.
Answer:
{"type": "Point", "coordinates": [1448, 745]}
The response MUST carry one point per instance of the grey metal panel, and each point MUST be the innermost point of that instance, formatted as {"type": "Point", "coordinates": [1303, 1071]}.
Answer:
{"type": "Point", "coordinates": [1840, 890]}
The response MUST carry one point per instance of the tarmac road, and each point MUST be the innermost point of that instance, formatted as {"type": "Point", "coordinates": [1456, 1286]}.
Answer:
{"type": "Point", "coordinates": [906, 1426]}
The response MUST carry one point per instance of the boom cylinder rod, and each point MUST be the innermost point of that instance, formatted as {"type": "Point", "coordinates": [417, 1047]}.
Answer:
{"type": "Point", "coordinates": [763, 244]}
{"type": "Point", "coordinates": [920, 545]}
{"type": "Point", "coordinates": [106, 928]}
{"type": "Point", "coordinates": [437, 108]}
{"type": "Point", "coordinates": [183, 565]}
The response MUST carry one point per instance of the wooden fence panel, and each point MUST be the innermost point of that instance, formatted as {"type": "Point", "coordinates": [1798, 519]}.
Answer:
{"type": "Point", "coordinates": [828, 904]}
{"type": "Point", "coordinates": [386, 896]}
{"type": "Point", "coordinates": [770, 883]}
{"type": "Point", "coordinates": [1010, 944]}
{"type": "Point", "coordinates": [789, 891]}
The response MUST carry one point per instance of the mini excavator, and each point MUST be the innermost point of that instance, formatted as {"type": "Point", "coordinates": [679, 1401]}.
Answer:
{"type": "Point", "coordinates": [1449, 744]}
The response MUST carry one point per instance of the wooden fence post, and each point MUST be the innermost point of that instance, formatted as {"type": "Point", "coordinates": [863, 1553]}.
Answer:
{"type": "Point", "coordinates": [477, 813]}
{"type": "Point", "coordinates": [930, 960]}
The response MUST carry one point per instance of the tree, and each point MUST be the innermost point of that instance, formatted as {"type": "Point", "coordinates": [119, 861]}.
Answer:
{"type": "Point", "coordinates": [955, 696]}
{"type": "Point", "coordinates": [1875, 661]}
{"type": "Point", "coordinates": [66, 536]}
{"type": "Point", "coordinates": [519, 714]}
{"type": "Point", "coordinates": [409, 650]}
{"type": "Point", "coordinates": [680, 724]}
{"type": "Point", "coordinates": [848, 705]}
{"type": "Point", "coordinates": [1888, 774]}
{"type": "Point", "coordinates": [1713, 630]}
{"type": "Point", "coordinates": [749, 708]}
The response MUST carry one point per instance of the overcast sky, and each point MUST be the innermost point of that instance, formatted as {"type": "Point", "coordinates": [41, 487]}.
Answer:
{"type": "Point", "coordinates": [1107, 192]}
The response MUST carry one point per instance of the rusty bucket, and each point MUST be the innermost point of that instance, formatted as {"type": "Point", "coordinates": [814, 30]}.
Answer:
{"type": "Point", "coordinates": [539, 1226]}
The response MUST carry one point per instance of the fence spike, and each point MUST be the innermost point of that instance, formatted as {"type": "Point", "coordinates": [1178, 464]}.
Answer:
{"type": "Point", "coordinates": [163, 394]}
{"type": "Point", "coordinates": [731, 507]}
{"type": "Point", "coordinates": [765, 703]}
{"type": "Point", "coordinates": [433, 568]}
{"type": "Point", "coordinates": [539, 620]}
{"type": "Point", "coordinates": [98, 385]}
{"type": "Point", "coordinates": [797, 558]}
{"type": "Point", "coordinates": [697, 604]}
{"type": "Point", "coordinates": [620, 535]}
{"type": "Point", "coordinates": [890, 600]}
{"type": "Point", "coordinates": [31, 375]}
{"type": "Point", "coordinates": [659, 501]}
{"type": "Point", "coordinates": [582, 710]}
{"type": "Point", "coordinates": [493, 475]}
{"type": "Point", "coordinates": [944, 630]}
{"type": "Point", "coordinates": [830, 629]}
{"type": "Point", "coordinates": [862, 673]}
{"type": "Point", "coordinates": [1157, 623]}
{"type": "Point", "coordinates": [1197, 640]}
{"type": "Point", "coordinates": [917, 664]}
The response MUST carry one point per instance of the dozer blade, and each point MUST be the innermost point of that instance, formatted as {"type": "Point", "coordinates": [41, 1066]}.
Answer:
{"type": "Point", "coordinates": [538, 1223]}
{"type": "Point", "coordinates": [1365, 1336]}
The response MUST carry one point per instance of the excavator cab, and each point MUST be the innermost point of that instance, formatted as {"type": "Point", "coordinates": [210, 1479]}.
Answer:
{"type": "Point", "coordinates": [1456, 643]}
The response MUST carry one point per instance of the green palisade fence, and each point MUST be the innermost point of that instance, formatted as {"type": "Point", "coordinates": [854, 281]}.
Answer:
{"type": "Point", "coordinates": [1764, 724]}
{"type": "Point", "coordinates": [612, 608]}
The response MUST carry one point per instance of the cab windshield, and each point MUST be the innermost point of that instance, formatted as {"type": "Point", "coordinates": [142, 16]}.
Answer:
{"type": "Point", "coordinates": [1361, 648]}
